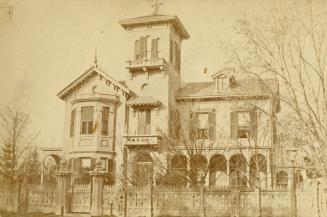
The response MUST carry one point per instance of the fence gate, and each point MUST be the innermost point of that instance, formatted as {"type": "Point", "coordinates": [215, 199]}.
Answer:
{"type": "Point", "coordinates": [81, 198]}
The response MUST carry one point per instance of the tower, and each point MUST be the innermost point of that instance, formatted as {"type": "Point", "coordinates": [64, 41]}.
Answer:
{"type": "Point", "coordinates": [153, 67]}
{"type": "Point", "coordinates": [154, 64]}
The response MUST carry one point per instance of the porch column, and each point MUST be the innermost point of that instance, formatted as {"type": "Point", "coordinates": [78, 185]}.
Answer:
{"type": "Point", "coordinates": [247, 174]}
{"type": "Point", "coordinates": [98, 175]}
{"type": "Point", "coordinates": [202, 198]}
{"type": "Point", "coordinates": [62, 184]}
{"type": "Point", "coordinates": [227, 172]}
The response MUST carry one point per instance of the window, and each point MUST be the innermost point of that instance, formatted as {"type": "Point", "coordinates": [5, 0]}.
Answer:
{"type": "Point", "coordinates": [154, 48]}
{"type": "Point", "coordinates": [144, 121]}
{"type": "Point", "coordinates": [85, 163]}
{"type": "Point", "coordinates": [202, 132]}
{"type": "Point", "coordinates": [137, 50]}
{"type": "Point", "coordinates": [221, 83]}
{"type": "Point", "coordinates": [140, 49]}
{"type": "Point", "coordinates": [87, 120]}
{"type": "Point", "coordinates": [111, 172]}
{"type": "Point", "coordinates": [143, 48]}
{"type": "Point", "coordinates": [103, 163]}
{"type": "Point", "coordinates": [72, 123]}
{"type": "Point", "coordinates": [205, 123]}
{"type": "Point", "coordinates": [105, 121]}
{"type": "Point", "coordinates": [243, 124]}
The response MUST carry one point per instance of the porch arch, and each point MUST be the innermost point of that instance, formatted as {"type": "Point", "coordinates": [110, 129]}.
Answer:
{"type": "Point", "coordinates": [258, 171]}
{"type": "Point", "coordinates": [238, 170]}
{"type": "Point", "coordinates": [218, 170]}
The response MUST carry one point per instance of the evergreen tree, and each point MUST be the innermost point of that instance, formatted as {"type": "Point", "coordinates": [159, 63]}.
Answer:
{"type": "Point", "coordinates": [7, 163]}
{"type": "Point", "coordinates": [33, 167]}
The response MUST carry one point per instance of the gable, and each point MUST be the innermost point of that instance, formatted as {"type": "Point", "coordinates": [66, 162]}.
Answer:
{"type": "Point", "coordinates": [94, 79]}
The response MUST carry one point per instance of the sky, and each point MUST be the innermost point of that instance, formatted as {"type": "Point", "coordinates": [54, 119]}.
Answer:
{"type": "Point", "coordinates": [46, 44]}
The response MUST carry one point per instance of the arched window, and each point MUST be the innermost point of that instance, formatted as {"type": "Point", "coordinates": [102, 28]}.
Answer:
{"type": "Point", "coordinates": [281, 180]}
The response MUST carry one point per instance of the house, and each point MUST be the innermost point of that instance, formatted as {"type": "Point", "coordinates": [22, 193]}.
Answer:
{"type": "Point", "coordinates": [119, 122]}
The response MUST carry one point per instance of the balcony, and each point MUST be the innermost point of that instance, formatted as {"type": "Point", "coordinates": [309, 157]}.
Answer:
{"type": "Point", "coordinates": [146, 64]}
{"type": "Point", "coordinates": [138, 140]}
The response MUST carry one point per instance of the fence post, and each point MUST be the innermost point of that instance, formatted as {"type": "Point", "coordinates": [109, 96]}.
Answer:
{"type": "Point", "coordinates": [258, 197]}
{"type": "Point", "coordinates": [62, 184]}
{"type": "Point", "coordinates": [23, 195]}
{"type": "Point", "coordinates": [97, 189]}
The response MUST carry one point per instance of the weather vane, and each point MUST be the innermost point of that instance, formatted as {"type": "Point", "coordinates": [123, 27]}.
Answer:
{"type": "Point", "coordinates": [156, 6]}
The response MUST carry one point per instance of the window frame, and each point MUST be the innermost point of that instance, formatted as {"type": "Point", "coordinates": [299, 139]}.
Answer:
{"type": "Point", "coordinates": [144, 128]}
{"type": "Point", "coordinates": [87, 123]}
{"type": "Point", "coordinates": [105, 120]}
{"type": "Point", "coordinates": [85, 158]}
{"type": "Point", "coordinates": [72, 123]}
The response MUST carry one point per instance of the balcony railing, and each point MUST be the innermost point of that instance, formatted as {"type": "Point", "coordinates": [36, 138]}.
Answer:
{"type": "Point", "coordinates": [141, 140]}
{"type": "Point", "coordinates": [150, 63]}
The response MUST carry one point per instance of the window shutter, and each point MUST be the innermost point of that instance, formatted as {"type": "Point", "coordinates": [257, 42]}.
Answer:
{"type": "Point", "coordinates": [137, 50]}
{"type": "Point", "coordinates": [176, 55]}
{"type": "Point", "coordinates": [171, 50]}
{"type": "Point", "coordinates": [233, 125]}
{"type": "Point", "coordinates": [92, 164]}
{"type": "Point", "coordinates": [143, 47]}
{"type": "Point", "coordinates": [72, 123]}
{"type": "Point", "coordinates": [148, 122]}
{"type": "Point", "coordinates": [154, 48]}
{"type": "Point", "coordinates": [253, 124]}
{"type": "Point", "coordinates": [191, 126]}
{"type": "Point", "coordinates": [212, 125]}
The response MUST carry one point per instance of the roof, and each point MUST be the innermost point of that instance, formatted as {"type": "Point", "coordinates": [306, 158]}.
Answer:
{"type": "Point", "coordinates": [143, 101]}
{"type": "Point", "coordinates": [243, 87]}
{"type": "Point", "coordinates": [156, 19]}
{"type": "Point", "coordinates": [86, 76]}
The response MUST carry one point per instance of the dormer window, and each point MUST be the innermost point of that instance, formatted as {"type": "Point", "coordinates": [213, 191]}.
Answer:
{"type": "Point", "coordinates": [221, 82]}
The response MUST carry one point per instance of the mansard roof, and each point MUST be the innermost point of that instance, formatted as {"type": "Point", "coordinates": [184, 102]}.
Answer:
{"type": "Point", "coordinates": [86, 76]}
{"type": "Point", "coordinates": [242, 88]}
{"type": "Point", "coordinates": [156, 19]}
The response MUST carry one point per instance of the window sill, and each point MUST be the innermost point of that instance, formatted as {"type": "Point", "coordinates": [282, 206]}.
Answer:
{"type": "Point", "coordinates": [87, 136]}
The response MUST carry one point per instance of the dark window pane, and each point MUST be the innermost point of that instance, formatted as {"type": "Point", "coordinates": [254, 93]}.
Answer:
{"type": "Point", "coordinates": [90, 127]}
{"type": "Point", "coordinates": [105, 120]}
{"type": "Point", "coordinates": [72, 123]}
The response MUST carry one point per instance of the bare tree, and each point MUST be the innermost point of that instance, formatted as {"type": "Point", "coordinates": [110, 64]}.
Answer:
{"type": "Point", "coordinates": [288, 41]}
{"type": "Point", "coordinates": [16, 143]}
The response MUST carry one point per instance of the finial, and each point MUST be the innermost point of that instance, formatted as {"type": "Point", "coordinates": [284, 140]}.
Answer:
{"type": "Point", "coordinates": [95, 58]}
{"type": "Point", "coordinates": [156, 6]}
